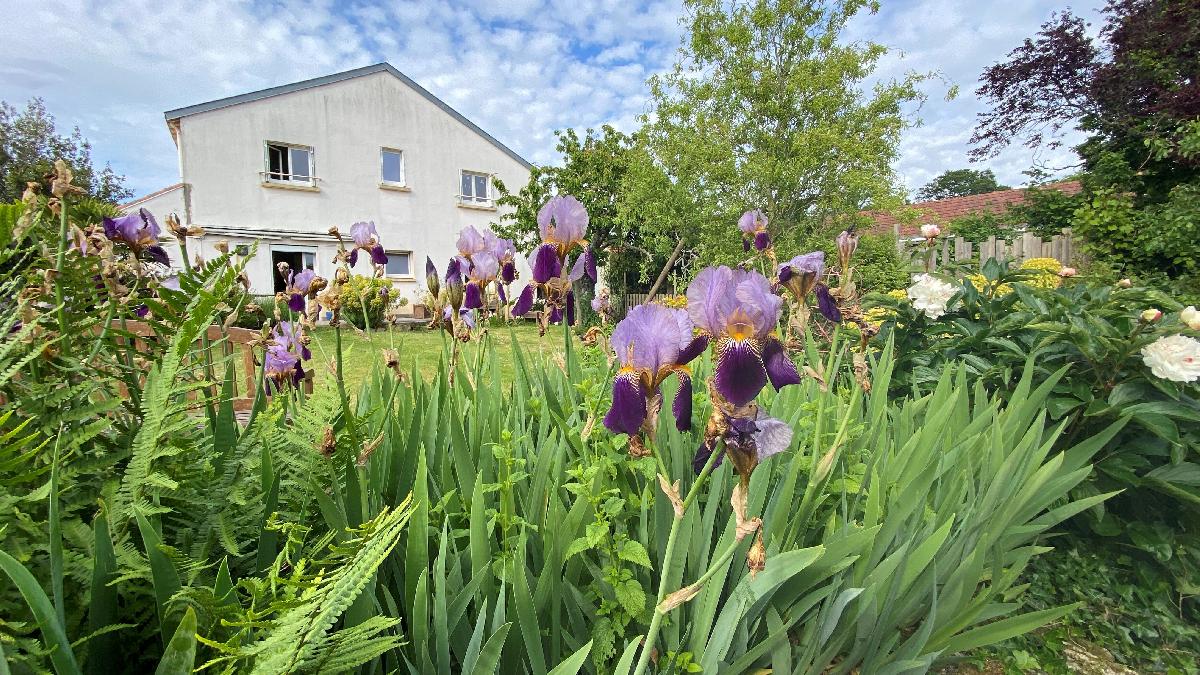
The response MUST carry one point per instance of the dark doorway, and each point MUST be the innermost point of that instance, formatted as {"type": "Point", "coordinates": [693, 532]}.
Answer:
{"type": "Point", "coordinates": [296, 260]}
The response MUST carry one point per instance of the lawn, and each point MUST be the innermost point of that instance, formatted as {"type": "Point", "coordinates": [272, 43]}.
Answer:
{"type": "Point", "coordinates": [424, 348]}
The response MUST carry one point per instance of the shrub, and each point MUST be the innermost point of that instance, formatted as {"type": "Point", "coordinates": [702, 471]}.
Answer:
{"type": "Point", "coordinates": [1095, 331]}
{"type": "Point", "coordinates": [375, 293]}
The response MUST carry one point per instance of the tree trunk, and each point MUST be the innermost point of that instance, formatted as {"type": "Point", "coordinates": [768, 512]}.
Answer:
{"type": "Point", "coordinates": [663, 274]}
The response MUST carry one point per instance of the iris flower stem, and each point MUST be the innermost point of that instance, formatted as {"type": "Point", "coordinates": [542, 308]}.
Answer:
{"type": "Point", "coordinates": [669, 557]}
{"type": "Point", "coordinates": [60, 261]}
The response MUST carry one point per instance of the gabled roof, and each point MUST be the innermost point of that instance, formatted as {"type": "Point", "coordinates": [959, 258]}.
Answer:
{"type": "Point", "coordinates": [339, 77]}
{"type": "Point", "coordinates": [942, 211]}
{"type": "Point", "coordinates": [145, 198]}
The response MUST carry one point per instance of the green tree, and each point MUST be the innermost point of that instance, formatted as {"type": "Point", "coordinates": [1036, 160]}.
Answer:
{"type": "Point", "coordinates": [960, 183]}
{"type": "Point", "coordinates": [1132, 88]}
{"type": "Point", "coordinates": [766, 108]}
{"type": "Point", "coordinates": [593, 170]}
{"type": "Point", "coordinates": [29, 144]}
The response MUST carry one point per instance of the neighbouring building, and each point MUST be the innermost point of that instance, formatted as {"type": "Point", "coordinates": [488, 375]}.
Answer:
{"type": "Point", "coordinates": [276, 168]}
{"type": "Point", "coordinates": [941, 211]}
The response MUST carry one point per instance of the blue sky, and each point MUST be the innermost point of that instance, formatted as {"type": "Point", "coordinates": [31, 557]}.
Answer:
{"type": "Point", "coordinates": [518, 68]}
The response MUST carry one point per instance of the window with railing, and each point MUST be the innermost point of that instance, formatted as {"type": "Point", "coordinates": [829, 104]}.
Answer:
{"type": "Point", "coordinates": [287, 163]}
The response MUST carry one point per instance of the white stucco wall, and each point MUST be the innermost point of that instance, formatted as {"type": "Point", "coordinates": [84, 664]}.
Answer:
{"type": "Point", "coordinates": [346, 123]}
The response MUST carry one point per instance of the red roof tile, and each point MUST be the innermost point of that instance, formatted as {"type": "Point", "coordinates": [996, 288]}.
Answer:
{"type": "Point", "coordinates": [942, 211]}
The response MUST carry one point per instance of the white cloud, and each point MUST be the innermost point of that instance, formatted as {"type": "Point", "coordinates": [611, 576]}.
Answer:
{"type": "Point", "coordinates": [520, 69]}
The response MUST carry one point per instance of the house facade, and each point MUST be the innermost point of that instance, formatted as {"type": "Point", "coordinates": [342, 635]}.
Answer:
{"type": "Point", "coordinates": [277, 168]}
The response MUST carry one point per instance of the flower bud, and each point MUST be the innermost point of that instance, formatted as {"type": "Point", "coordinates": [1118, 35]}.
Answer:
{"type": "Point", "coordinates": [930, 231]}
{"type": "Point", "coordinates": [847, 243]}
{"type": "Point", "coordinates": [1190, 316]}
{"type": "Point", "coordinates": [454, 285]}
{"type": "Point", "coordinates": [1151, 315]}
{"type": "Point", "coordinates": [1066, 272]}
{"type": "Point", "coordinates": [1125, 283]}
{"type": "Point", "coordinates": [431, 277]}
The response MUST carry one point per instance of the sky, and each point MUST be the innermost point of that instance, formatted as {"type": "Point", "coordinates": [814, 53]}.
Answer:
{"type": "Point", "coordinates": [520, 69]}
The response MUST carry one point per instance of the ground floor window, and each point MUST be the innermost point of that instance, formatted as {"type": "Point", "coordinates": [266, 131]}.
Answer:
{"type": "Point", "coordinates": [399, 264]}
{"type": "Point", "coordinates": [296, 258]}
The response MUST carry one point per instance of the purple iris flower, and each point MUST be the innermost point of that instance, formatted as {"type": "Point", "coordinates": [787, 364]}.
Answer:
{"type": "Point", "coordinates": [366, 238]}
{"type": "Point", "coordinates": [482, 271]}
{"type": "Point", "coordinates": [467, 316]}
{"type": "Point", "coordinates": [750, 440]}
{"type": "Point", "coordinates": [753, 225]}
{"type": "Point", "coordinates": [651, 343]}
{"type": "Point", "coordinates": [282, 363]}
{"type": "Point", "coordinates": [470, 241]}
{"type": "Point", "coordinates": [562, 222]}
{"type": "Point", "coordinates": [140, 232]}
{"type": "Point", "coordinates": [802, 274]}
{"type": "Point", "coordinates": [737, 309]}
{"type": "Point", "coordinates": [505, 253]}
{"type": "Point", "coordinates": [298, 284]}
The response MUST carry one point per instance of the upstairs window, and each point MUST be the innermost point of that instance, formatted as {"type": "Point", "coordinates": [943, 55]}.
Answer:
{"type": "Point", "coordinates": [475, 190]}
{"type": "Point", "coordinates": [391, 169]}
{"type": "Point", "coordinates": [289, 163]}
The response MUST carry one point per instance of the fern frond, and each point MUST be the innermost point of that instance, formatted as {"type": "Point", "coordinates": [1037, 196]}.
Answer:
{"type": "Point", "coordinates": [300, 640]}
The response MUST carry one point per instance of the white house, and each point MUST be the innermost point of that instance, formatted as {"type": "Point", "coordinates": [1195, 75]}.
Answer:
{"type": "Point", "coordinates": [278, 167]}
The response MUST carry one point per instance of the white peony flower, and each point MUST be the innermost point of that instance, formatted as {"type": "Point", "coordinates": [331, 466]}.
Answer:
{"type": "Point", "coordinates": [930, 294]}
{"type": "Point", "coordinates": [930, 231]}
{"type": "Point", "coordinates": [1151, 315]}
{"type": "Point", "coordinates": [1190, 317]}
{"type": "Point", "coordinates": [1174, 357]}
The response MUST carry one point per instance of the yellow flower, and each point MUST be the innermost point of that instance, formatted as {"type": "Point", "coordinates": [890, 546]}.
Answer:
{"type": "Point", "coordinates": [877, 315]}
{"type": "Point", "coordinates": [1048, 265]}
{"type": "Point", "coordinates": [1047, 270]}
{"type": "Point", "coordinates": [982, 285]}
{"type": "Point", "coordinates": [674, 301]}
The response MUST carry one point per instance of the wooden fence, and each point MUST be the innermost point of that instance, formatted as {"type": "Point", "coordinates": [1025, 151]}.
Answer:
{"type": "Point", "coordinates": [1061, 247]}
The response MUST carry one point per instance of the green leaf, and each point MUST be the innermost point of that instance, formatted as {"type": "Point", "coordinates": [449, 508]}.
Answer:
{"type": "Point", "coordinates": [631, 596]}
{"type": "Point", "coordinates": [162, 573]}
{"type": "Point", "coordinates": [574, 662]}
{"type": "Point", "coordinates": [1001, 630]}
{"type": "Point", "coordinates": [489, 656]}
{"type": "Point", "coordinates": [102, 611]}
{"type": "Point", "coordinates": [580, 545]}
{"type": "Point", "coordinates": [180, 655]}
{"type": "Point", "coordinates": [634, 552]}
{"type": "Point", "coordinates": [53, 633]}
{"type": "Point", "coordinates": [1184, 473]}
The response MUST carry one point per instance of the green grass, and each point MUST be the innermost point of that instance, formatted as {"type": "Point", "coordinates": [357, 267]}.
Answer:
{"type": "Point", "coordinates": [362, 352]}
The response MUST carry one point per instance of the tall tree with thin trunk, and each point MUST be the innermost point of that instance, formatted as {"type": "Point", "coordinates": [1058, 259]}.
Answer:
{"type": "Point", "coordinates": [767, 107]}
